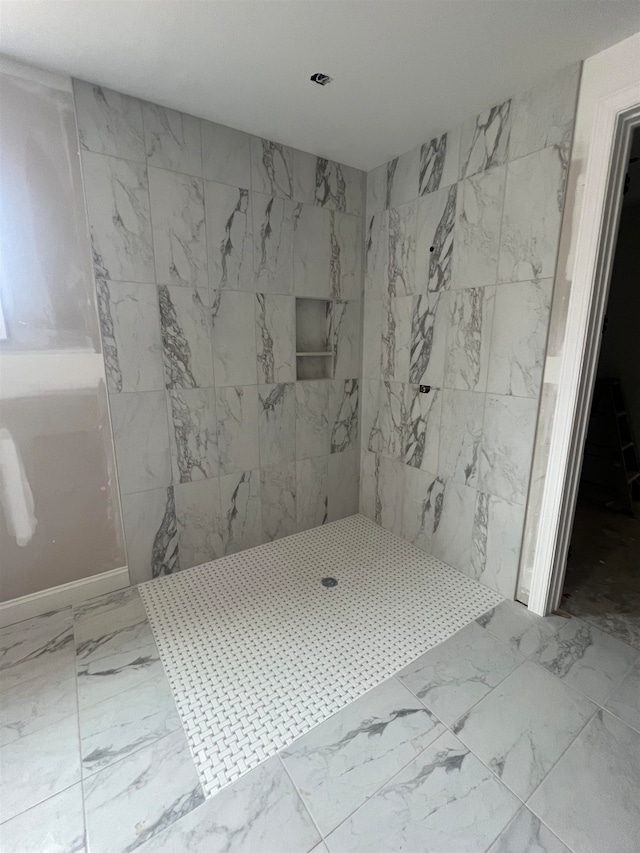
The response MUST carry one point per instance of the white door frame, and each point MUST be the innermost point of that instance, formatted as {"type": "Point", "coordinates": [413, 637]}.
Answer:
{"type": "Point", "coordinates": [589, 233]}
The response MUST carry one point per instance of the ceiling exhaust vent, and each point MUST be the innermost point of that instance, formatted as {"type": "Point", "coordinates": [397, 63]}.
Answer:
{"type": "Point", "coordinates": [321, 79]}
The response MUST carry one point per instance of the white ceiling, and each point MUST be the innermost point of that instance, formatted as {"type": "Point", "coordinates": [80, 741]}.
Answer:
{"type": "Point", "coordinates": [403, 71]}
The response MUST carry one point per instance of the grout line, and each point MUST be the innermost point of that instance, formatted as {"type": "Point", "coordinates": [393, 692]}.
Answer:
{"type": "Point", "coordinates": [79, 730]}
{"type": "Point", "coordinates": [300, 797]}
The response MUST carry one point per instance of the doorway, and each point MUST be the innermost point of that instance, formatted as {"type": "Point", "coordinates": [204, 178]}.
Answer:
{"type": "Point", "coordinates": [602, 581]}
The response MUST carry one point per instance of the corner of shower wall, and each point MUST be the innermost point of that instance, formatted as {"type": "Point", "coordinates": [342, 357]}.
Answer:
{"type": "Point", "coordinates": [203, 236]}
{"type": "Point", "coordinates": [461, 238]}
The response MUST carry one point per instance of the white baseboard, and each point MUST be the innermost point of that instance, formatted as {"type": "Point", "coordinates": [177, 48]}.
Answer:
{"type": "Point", "coordinates": [57, 597]}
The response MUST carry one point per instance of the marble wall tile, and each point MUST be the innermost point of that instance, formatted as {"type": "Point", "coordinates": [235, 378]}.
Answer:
{"type": "Point", "coordinates": [496, 541]}
{"type": "Point", "coordinates": [343, 414]}
{"type": "Point", "coordinates": [543, 115]}
{"type": "Point", "coordinates": [391, 419]}
{"type": "Point", "coordinates": [312, 251]}
{"type": "Point", "coordinates": [151, 534]}
{"type": "Point", "coordinates": [271, 168]}
{"type": "Point", "coordinates": [435, 227]}
{"type": "Point", "coordinates": [403, 175]}
{"type": "Point", "coordinates": [324, 183]}
{"type": "Point", "coordinates": [109, 122]}
{"type": "Point", "coordinates": [376, 190]}
{"type": "Point", "coordinates": [312, 490]}
{"type": "Point", "coordinates": [484, 141]}
{"type": "Point", "coordinates": [369, 498]}
{"type": "Point", "coordinates": [179, 240]}
{"type": "Point", "coordinates": [401, 253]}
{"type": "Point", "coordinates": [129, 802]}
{"type": "Point", "coordinates": [278, 501]}
{"type": "Point", "coordinates": [141, 437]}
{"type": "Point", "coordinates": [390, 494]}
{"type": "Point", "coordinates": [396, 340]}
{"type": "Point", "coordinates": [192, 430]}
{"type": "Point", "coordinates": [56, 824]}
{"type": "Point", "coordinates": [509, 729]}
{"type": "Point", "coordinates": [338, 765]}
{"type": "Point", "coordinates": [240, 508]}
{"type": "Point", "coordinates": [453, 525]}
{"type": "Point", "coordinates": [198, 513]}
{"type": "Point", "coordinates": [345, 264]}
{"type": "Point", "coordinates": [371, 414]}
{"type": "Point", "coordinates": [117, 194]}
{"type": "Point", "coordinates": [275, 338]}
{"type": "Point", "coordinates": [229, 237]}
{"type": "Point", "coordinates": [185, 321]}
{"type": "Point", "coordinates": [428, 346]}
{"type": "Point", "coordinates": [439, 162]}
{"type": "Point", "coordinates": [272, 243]}
{"type": "Point", "coordinates": [469, 338]}
{"type": "Point", "coordinates": [507, 444]}
{"type": "Point", "coordinates": [344, 482]}
{"type": "Point", "coordinates": [345, 338]}
{"type": "Point", "coordinates": [372, 340]}
{"type": "Point", "coordinates": [277, 423]}
{"type": "Point", "coordinates": [461, 435]}
{"type": "Point", "coordinates": [519, 336]}
{"type": "Point", "coordinates": [226, 154]}
{"type": "Point", "coordinates": [312, 419]}
{"type": "Point", "coordinates": [237, 427]}
{"type": "Point", "coordinates": [421, 432]}
{"type": "Point", "coordinates": [478, 222]}
{"type": "Point", "coordinates": [420, 500]}
{"type": "Point", "coordinates": [430, 805]}
{"type": "Point", "coordinates": [533, 203]}
{"type": "Point", "coordinates": [234, 339]}
{"type": "Point", "coordinates": [131, 340]}
{"type": "Point", "coordinates": [376, 255]}
{"type": "Point", "coordinates": [173, 139]}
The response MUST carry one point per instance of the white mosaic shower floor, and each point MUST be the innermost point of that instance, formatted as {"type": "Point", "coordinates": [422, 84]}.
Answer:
{"type": "Point", "coordinates": [258, 652]}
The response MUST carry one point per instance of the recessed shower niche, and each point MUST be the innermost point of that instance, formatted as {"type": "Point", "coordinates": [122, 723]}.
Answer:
{"type": "Point", "coordinates": [314, 352]}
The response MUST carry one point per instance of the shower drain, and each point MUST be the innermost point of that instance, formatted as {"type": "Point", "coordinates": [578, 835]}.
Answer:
{"type": "Point", "coordinates": [329, 582]}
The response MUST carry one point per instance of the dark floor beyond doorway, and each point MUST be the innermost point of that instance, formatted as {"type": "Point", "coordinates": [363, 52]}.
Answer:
{"type": "Point", "coordinates": [602, 584]}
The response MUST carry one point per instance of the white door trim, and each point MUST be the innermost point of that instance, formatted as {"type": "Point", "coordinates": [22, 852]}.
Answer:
{"type": "Point", "coordinates": [592, 239]}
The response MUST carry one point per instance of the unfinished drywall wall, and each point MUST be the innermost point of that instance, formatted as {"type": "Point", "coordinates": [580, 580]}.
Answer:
{"type": "Point", "coordinates": [59, 513]}
{"type": "Point", "coordinates": [461, 241]}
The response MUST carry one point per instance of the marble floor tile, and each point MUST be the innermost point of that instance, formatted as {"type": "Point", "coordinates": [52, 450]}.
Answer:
{"type": "Point", "coordinates": [36, 648]}
{"type": "Point", "coordinates": [99, 679]}
{"type": "Point", "coordinates": [260, 812]}
{"type": "Point", "coordinates": [39, 765]}
{"type": "Point", "coordinates": [521, 629]}
{"type": "Point", "coordinates": [590, 798]}
{"type": "Point", "coordinates": [35, 703]}
{"type": "Point", "coordinates": [511, 732]}
{"type": "Point", "coordinates": [527, 833]}
{"type": "Point", "coordinates": [587, 659]}
{"type": "Point", "coordinates": [124, 723]}
{"type": "Point", "coordinates": [54, 826]}
{"type": "Point", "coordinates": [133, 799]}
{"type": "Point", "coordinates": [108, 624]}
{"type": "Point", "coordinates": [453, 676]}
{"type": "Point", "coordinates": [624, 702]}
{"type": "Point", "coordinates": [445, 800]}
{"type": "Point", "coordinates": [338, 765]}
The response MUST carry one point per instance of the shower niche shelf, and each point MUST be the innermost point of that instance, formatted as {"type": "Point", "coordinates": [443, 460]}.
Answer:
{"type": "Point", "coordinates": [314, 354]}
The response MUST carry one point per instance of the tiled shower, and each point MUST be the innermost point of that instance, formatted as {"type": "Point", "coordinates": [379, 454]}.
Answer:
{"type": "Point", "coordinates": [202, 238]}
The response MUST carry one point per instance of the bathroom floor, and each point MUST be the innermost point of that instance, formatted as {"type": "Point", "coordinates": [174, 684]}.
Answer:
{"type": "Point", "coordinates": [513, 732]}
{"type": "Point", "coordinates": [602, 584]}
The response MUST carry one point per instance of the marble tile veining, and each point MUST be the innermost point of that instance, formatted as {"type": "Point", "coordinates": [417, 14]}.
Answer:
{"type": "Point", "coordinates": [237, 427]}
{"type": "Point", "coordinates": [141, 438]}
{"type": "Point", "coordinates": [150, 533]}
{"type": "Point", "coordinates": [526, 832]}
{"type": "Point", "coordinates": [185, 322]}
{"type": "Point", "coordinates": [343, 414]}
{"type": "Point", "coordinates": [275, 338]}
{"type": "Point", "coordinates": [109, 122]}
{"type": "Point", "coordinates": [234, 338]}
{"type": "Point", "coordinates": [277, 423]}
{"type": "Point", "coordinates": [278, 500]}
{"type": "Point", "coordinates": [172, 139]}
{"type": "Point", "coordinates": [229, 237]}
{"type": "Point", "coordinates": [484, 141]}
{"type": "Point", "coordinates": [521, 629]}
{"type": "Point", "coordinates": [439, 160]}
{"type": "Point", "coordinates": [56, 826]}
{"type": "Point", "coordinates": [272, 244]}
{"type": "Point", "coordinates": [240, 510]}
{"type": "Point", "coordinates": [341, 763]}
{"type": "Point", "coordinates": [271, 168]}
{"type": "Point", "coordinates": [198, 517]}
{"type": "Point", "coordinates": [401, 256]}
{"type": "Point", "coordinates": [312, 492]}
